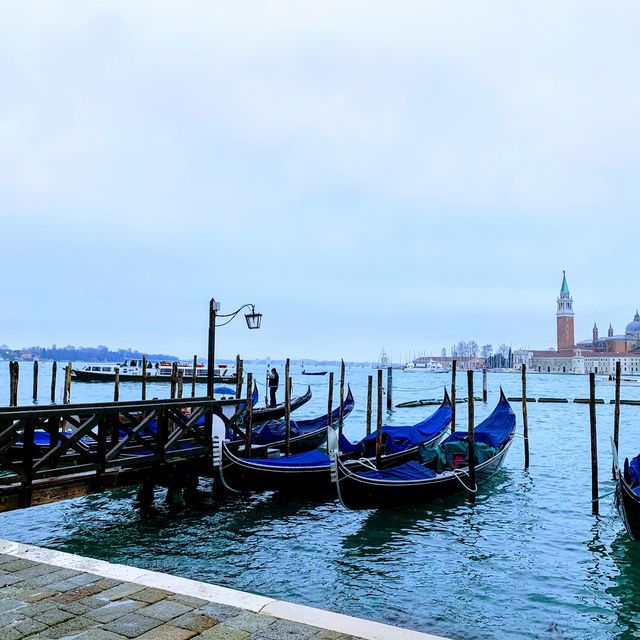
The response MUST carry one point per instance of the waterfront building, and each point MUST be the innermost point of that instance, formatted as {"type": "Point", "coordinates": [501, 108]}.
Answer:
{"type": "Point", "coordinates": [597, 355]}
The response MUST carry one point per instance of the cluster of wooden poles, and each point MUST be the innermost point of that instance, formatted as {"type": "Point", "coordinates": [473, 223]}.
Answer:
{"type": "Point", "coordinates": [14, 377]}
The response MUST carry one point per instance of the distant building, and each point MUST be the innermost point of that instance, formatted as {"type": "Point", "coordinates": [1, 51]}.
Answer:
{"type": "Point", "coordinates": [597, 355]}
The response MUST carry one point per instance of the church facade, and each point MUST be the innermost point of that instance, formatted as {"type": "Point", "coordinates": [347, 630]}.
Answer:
{"type": "Point", "coordinates": [597, 355]}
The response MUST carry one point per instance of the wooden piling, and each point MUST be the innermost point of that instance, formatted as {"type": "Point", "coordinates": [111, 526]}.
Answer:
{"type": "Point", "coordinates": [193, 377]}
{"type": "Point", "coordinates": [116, 386]}
{"type": "Point", "coordinates": [35, 381]}
{"type": "Point", "coordinates": [330, 399]}
{"type": "Point", "coordinates": [66, 396]}
{"type": "Point", "coordinates": [616, 412]}
{"type": "Point", "coordinates": [484, 385]}
{"type": "Point", "coordinates": [287, 408]}
{"type": "Point", "coordinates": [144, 377]}
{"type": "Point", "coordinates": [174, 379]}
{"type": "Point", "coordinates": [379, 422]}
{"type": "Point", "coordinates": [525, 419]}
{"type": "Point", "coordinates": [180, 382]}
{"type": "Point", "coordinates": [341, 395]}
{"type": "Point", "coordinates": [369, 399]}
{"type": "Point", "coordinates": [14, 373]}
{"type": "Point", "coordinates": [471, 455]}
{"type": "Point", "coordinates": [239, 374]}
{"type": "Point", "coordinates": [54, 371]}
{"type": "Point", "coordinates": [595, 508]}
{"type": "Point", "coordinates": [454, 366]}
{"type": "Point", "coordinates": [249, 420]}
{"type": "Point", "coordinates": [389, 388]}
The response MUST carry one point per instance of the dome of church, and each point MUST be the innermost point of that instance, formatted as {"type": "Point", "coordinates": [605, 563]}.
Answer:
{"type": "Point", "coordinates": [634, 326]}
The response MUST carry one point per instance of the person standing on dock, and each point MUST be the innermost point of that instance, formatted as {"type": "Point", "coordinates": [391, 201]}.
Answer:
{"type": "Point", "coordinates": [274, 381]}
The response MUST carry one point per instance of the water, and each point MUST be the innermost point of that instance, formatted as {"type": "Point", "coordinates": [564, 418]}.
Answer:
{"type": "Point", "coordinates": [527, 560]}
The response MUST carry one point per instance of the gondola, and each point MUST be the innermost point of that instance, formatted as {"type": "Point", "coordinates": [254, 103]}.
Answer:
{"type": "Point", "coordinates": [441, 471]}
{"type": "Point", "coordinates": [274, 413]}
{"type": "Point", "coordinates": [313, 373]}
{"type": "Point", "coordinates": [628, 492]}
{"type": "Point", "coordinates": [310, 472]}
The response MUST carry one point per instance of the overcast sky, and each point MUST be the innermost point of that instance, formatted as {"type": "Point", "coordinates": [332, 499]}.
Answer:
{"type": "Point", "coordinates": [398, 174]}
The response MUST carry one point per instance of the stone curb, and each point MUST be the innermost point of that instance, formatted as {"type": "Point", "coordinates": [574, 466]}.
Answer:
{"type": "Point", "coordinates": [366, 629]}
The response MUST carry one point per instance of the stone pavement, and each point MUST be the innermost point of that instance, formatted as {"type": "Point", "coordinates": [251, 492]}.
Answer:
{"type": "Point", "coordinates": [43, 601]}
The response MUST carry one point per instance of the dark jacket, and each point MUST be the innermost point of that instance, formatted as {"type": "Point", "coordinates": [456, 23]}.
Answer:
{"type": "Point", "coordinates": [274, 379]}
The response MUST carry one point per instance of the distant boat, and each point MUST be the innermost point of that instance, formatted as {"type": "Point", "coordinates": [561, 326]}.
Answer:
{"type": "Point", "coordinates": [431, 367]}
{"type": "Point", "coordinates": [131, 371]}
{"type": "Point", "coordinates": [313, 373]}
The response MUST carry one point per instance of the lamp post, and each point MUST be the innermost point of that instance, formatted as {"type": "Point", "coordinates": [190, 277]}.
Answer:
{"type": "Point", "coordinates": [253, 319]}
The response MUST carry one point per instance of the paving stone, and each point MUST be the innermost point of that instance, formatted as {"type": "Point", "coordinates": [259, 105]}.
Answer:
{"type": "Point", "coordinates": [10, 592]}
{"type": "Point", "coordinates": [9, 579]}
{"type": "Point", "coordinates": [70, 628]}
{"type": "Point", "coordinates": [10, 605]}
{"type": "Point", "coordinates": [28, 627]}
{"type": "Point", "coordinates": [36, 595]}
{"type": "Point", "coordinates": [325, 634]}
{"type": "Point", "coordinates": [73, 582]}
{"type": "Point", "coordinates": [285, 630]}
{"type": "Point", "coordinates": [53, 617]}
{"type": "Point", "coordinates": [9, 617]}
{"type": "Point", "coordinates": [50, 578]}
{"type": "Point", "coordinates": [167, 632]}
{"type": "Point", "coordinates": [12, 634]}
{"type": "Point", "coordinates": [33, 610]}
{"type": "Point", "coordinates": [5, 557]}
{"type": "Point", "coordinates": [190, 601]}
{"type": "Point", "coordinates": [18, 564]}
{"type": "Point", "coordinates": [33, 572]}
{"type": "Point", "coordinates": [221, 612]}
{"type": "Point", "coordinates": [194, 621]}
{"type": "Point", "coordinates": [132, 625]}
{"type": "Point", "coordinates": [166, 610]}
{"type": "Point", "coordinates": [151, 595]}
{"type": "Point", "coordinates": [98, 634]}
{"type": "Point", "coordinates": [113, 610]}
{"type": "Point", "coordinates": [77, 608]}
{"type": "Point", "coordinates": [84, 591]}
{"type": "Point", "coordinates": [249, 621]}
{"type": "Point", "coordinates": [222, 632]}
{"type": "Point", "coordinates": [122, 590]}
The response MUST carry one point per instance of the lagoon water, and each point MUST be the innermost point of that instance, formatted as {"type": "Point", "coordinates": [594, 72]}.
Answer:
{"type": "Point", "coordinates": [527, 560]}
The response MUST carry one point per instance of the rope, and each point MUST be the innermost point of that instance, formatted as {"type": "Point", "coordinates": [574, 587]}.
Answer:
{"type": "Point", "coordinates": [604, 495]}
{"type": "Point", "coordinates": [365, 462]}
{"type": "Point", "coordinates": [459, 479]}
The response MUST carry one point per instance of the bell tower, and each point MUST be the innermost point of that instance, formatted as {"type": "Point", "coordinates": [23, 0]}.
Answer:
{"type": "Point", "coordinates": [595, 335]}
{"type": "Point", "coordinates": [564, 318]}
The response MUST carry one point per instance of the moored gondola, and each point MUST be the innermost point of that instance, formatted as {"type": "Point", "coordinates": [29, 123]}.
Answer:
{"type": "Point", "coordinates": [628, 493]}
{"type": "Point", "coordinates": [441, 471]}
{"type": "Point", "coordinates": [309, 472]}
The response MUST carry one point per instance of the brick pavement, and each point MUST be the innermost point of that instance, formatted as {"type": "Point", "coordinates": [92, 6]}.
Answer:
{"type": "Point", "coordinates": [39, 601]}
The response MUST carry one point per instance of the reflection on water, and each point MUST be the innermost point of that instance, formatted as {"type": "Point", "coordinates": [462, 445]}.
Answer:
{"type": "Point", "coordinates": [527, 560]}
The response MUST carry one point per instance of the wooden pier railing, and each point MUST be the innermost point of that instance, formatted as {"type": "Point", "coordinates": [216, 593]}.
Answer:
{"type": "Point", "coordinates": [64, 451]}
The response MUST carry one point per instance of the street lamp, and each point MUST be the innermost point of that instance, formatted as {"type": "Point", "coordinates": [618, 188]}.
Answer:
{"type": "Point", "coordinates": [253, 320]}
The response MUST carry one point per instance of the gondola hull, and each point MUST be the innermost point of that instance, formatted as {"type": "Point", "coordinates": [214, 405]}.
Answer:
{"type": "Point", "coordinates": [357, 492]}
{"type": "Point", "coordinates": [275, 413]}
{"type": "Point", "coordinates": [628, 504]}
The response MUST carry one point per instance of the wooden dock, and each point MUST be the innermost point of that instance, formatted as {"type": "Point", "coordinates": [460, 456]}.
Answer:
{"type": "Point", "coordinates": [58, 452]}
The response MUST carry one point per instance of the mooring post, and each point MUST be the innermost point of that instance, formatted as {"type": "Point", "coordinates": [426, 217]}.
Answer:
{"type": "Point", "coordinates": [14, 372]}
{"type": "Point", "coordinates": [145, 495]}
{"type": "Point", "coordinates": [174, 379]}
{"type": "Point", "coordinates": [193, 377]}
{"type": "Point", "coordinates": [595, 509]}
{"type": "Point", "coordinates": [35, 381]}
{"type": "Point", "coordinates": [249, 420]}
{"type": "Point", "coordinates": [239, 374]}
{"type": "Point", "coordinates": [525, 419]}
{"type": "Point", "coordinates": [54, 370]}
{"type": "Point", "coordinates": [616, 413]}
{"type": "Point", "coordinates": [144, 377]}
{"type": "Point", "coordinates": [484, 384]}
{"type": "Point", "coordinates": [379, 422]}
{"type": "Point", "coordinates": [116, 386]}
{"type": "Point", "coordinates": [471, 455]}
{"type": "Point", "coordinates": [66, 398]}
{"type": "Point", "coordinates": [389, 388]}
{"type": "Point", "coordinates": [369, 399]}
{"type": "Point", "coordinates": [287, 408]}
{"type": "Point", "coordinates": [330, 400]}
{"type": "Point", "coordinates": [341, 395]}
{"type": "Point", "coordinates": [454, 365]}
{"type": "Point", "coordinates": [180, 382]}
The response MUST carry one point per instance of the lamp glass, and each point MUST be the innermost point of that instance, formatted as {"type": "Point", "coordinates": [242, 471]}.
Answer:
{"type": "Point", "coordinates": [253, 320]}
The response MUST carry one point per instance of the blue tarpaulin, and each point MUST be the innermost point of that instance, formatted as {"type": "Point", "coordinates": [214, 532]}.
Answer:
{"type": "Point", "coordinates": [406, 471]}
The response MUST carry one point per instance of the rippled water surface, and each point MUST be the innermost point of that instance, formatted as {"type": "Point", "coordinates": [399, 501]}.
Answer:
{"type": "Point", "coordinates": [527, 560]}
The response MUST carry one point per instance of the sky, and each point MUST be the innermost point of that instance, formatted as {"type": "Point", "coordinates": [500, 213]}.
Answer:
{"type": "Point", "coordinates": [369, 174]}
